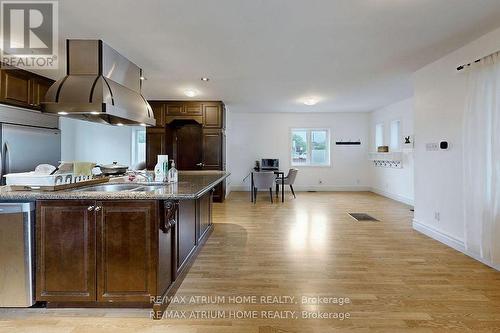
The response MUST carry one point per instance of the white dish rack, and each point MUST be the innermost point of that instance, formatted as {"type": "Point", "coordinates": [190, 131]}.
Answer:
{"type": "Point", "coordinates": [36, 179]}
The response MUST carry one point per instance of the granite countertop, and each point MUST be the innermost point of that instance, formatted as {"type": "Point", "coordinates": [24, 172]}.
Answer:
{"type": "Point", "coordinates": [191, 185]}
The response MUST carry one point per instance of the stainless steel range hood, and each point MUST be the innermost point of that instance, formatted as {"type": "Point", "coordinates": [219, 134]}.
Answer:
{"type": "Point", "coordinates": [101, 86]}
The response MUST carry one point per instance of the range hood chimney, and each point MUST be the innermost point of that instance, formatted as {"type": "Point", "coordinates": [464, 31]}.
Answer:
{"type": "Point", "coordinates": [100, 86]}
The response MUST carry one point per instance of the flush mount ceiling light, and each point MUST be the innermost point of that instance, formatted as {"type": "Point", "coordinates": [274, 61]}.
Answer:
{"type": "Point", "coordinates": [119, 124]}
{"type": "Point", "coordinates": [94, 113]}
{"type": "Point", "coordinates": [190, 93]}
{"type": "Point", "coordinates": [142, 124]}
{"type": "Point", "coordinates": [205, 79]}
{"type": "Point", "coordinates": [310, 101]}
{"type": "Point", "coordinates": [62, 113]}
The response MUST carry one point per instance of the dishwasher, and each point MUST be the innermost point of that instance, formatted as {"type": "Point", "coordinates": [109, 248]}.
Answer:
{"type": "Point", "coordinates": [17, 253]}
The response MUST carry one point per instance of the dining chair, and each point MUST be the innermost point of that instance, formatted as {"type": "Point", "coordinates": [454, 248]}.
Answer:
{"type": "Point", "coordinates": [263, 180]}
{"type": "Point", "coordinates": [289, 180]}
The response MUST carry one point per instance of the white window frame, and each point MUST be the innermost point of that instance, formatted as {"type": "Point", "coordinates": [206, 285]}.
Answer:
{"type": "Point", "coordinates": [135, 159]}
{"type": "Point", "coordinates": [377, 126]}
{"type": "Point", "coordinates": [398, 135]}
{"type": "Point", "coordinates": [309, 146]}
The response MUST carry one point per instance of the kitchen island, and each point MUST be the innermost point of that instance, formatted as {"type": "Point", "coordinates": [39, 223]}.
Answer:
{"type": "Point", "coordinates": [120, 244]}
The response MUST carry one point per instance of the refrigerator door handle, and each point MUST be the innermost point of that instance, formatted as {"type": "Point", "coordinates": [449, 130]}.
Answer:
{"type": "Point", "coordinates": [1, 165]}
{"type": "Point", "coordinates": [7, 158]}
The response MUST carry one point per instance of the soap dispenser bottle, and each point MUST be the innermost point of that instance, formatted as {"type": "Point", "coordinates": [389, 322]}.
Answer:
{"type": "Point", "coordinates": [173, 175]}
{"type": "Point", "coordinates": [161, 168]}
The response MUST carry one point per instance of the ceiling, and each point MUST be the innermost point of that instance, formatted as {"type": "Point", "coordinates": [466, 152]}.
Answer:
{"type": "Point", "coordinates": [268, 55]}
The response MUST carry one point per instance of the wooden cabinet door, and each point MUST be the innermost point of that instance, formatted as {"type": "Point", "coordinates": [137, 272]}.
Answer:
{"type": "Point", "coordinates": [212, 115]}
{"type": "Point", "coordinates": [65, 236]}
{"type": "Point", "coordinates": [185, 233]}
{"type": "Point", "coordinates": [39, 89]}
{"type": "Point", "coordinates": [193, 109]}
{"type": "Point", "coordinates": [175, 109]}
{"type": "Point", "coordinates": [188, 147]}
{"type": "Point", "coordinates": [126, 239]}
{"type": "Point", "coordinates": [159, 113]}
{"type": "Point", "coordinates": [155, 145]}
{"type": "Point", "coordinates": [212, 149]}
{"type": "Point", "coordinates": [15, 87]}
{"type": "Point", "coordinates": [204, 214]}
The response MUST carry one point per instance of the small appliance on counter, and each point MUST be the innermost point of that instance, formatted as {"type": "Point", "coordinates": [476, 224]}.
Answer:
{"type": "Point", "coordinates": [270, 164]}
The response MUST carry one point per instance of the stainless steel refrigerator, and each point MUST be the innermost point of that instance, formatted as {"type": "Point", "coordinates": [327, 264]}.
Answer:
{"type": "Point", "coordinates": [24, 147]}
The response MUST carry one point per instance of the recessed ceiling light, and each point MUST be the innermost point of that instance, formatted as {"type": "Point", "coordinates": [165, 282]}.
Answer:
{"type": "Point", "coordinates": [94, 112]}
{"type": "Point", "coordinates": [62, 113]}
{"type": "Point", "coordinates": [143, 78]}
{"type": "Point", "coordinates": [119, 124]}
{"type": "Point", "coordinates": [143, 125]}
{"type": "Point", "coordinates": [190, 93]}
{"type": "Point", "coordinates": [206, 79]}
{"type": "Point", "coordinates": [310, 101]}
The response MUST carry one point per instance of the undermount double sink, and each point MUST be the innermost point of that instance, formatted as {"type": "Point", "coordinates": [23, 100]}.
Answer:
{"type": "Point", "coordinates": [120, 188]}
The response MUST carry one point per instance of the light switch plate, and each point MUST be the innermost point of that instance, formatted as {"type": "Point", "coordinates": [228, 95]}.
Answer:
{"type": "Point", "coordinates": [432, 146]}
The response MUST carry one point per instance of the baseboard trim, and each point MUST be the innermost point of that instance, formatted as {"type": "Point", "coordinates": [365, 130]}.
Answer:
{"type": "Point", "coordinates": [305, 188]}
{"type": "Point", "coordinates": [452, 242]}
{"type": "Point", "coordinates": [393, 196]}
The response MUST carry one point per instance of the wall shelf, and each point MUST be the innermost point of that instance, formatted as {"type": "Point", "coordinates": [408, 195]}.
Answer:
{"type": "Point", "coordinates": [387, 160]}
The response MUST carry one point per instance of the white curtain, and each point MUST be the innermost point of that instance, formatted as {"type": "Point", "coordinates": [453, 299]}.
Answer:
{"type": "Point", "coordinates": [481, 158]}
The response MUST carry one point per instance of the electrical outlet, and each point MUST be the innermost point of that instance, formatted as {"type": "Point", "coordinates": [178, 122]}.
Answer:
{"type": "Point", "coordinates": [437, 216]}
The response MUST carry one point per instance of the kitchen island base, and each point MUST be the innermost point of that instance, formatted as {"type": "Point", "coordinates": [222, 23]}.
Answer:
{"type": "Point", "coordinates": [117, 253]}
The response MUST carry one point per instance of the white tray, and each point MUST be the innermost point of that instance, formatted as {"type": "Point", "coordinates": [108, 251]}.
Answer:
{"type": "Point", "coordinates": [34, 179]}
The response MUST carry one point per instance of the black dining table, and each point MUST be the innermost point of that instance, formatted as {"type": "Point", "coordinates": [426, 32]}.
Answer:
{"type": "Point", "coordinates": [280, 174]}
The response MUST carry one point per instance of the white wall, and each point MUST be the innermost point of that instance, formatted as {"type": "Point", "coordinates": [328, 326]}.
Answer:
{"type": "Point", "coordinates": [391, 182]}
{"type": "Point", "coordinates": [439, 105]}
{"type": "Point", "coordinates": [252, 136]}
{"type": "Point", "coordinates": [92, 142]}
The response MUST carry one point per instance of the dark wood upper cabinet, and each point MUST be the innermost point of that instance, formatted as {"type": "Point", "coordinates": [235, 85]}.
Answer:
{"type": "Point", "coordinates": [155, 145]}
{"type": "Point", "coordinates": [212, 115]}
{"type": "Point", "coordinates": [65, 251]}
{"type": "Point", "coordinates": [16, 87]}
{"type": "Point", "coordinates": [185, 149]}
{"type": "Point", "coordinates": [159, 113]}
{"type": "Point", "coordinates": [126, 250]}
{"type": "Point", "coordinates": [175, 109]}
{"type": "Point", "coordinates": [22, 88]}
{"type": "Point", "coordinates": [39, 89]}
{"type": "Point", "coordinates": [193, 109]}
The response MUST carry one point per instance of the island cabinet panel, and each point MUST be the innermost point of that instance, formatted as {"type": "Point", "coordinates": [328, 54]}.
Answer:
{"type": "Point", "coordinates": [166, 243]}
{"type": "Point", "coordinates": [186, 233]}
{"type": "Point", "coordinates": [65, 251]}
{"type": "Point", "coordinates": [204, 214]}
{"type": "Point", "coordinates": [126, 250]}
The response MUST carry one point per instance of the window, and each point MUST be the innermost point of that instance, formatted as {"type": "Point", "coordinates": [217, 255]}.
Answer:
{"type": "Point", "coordinates": [395, 124]}
{"type": "Point", "coordinates": [138, 146]}
{"type": "Point", "coordinates": [379, 135]}
{"type": "Point", "coordinates": [310, 146]}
